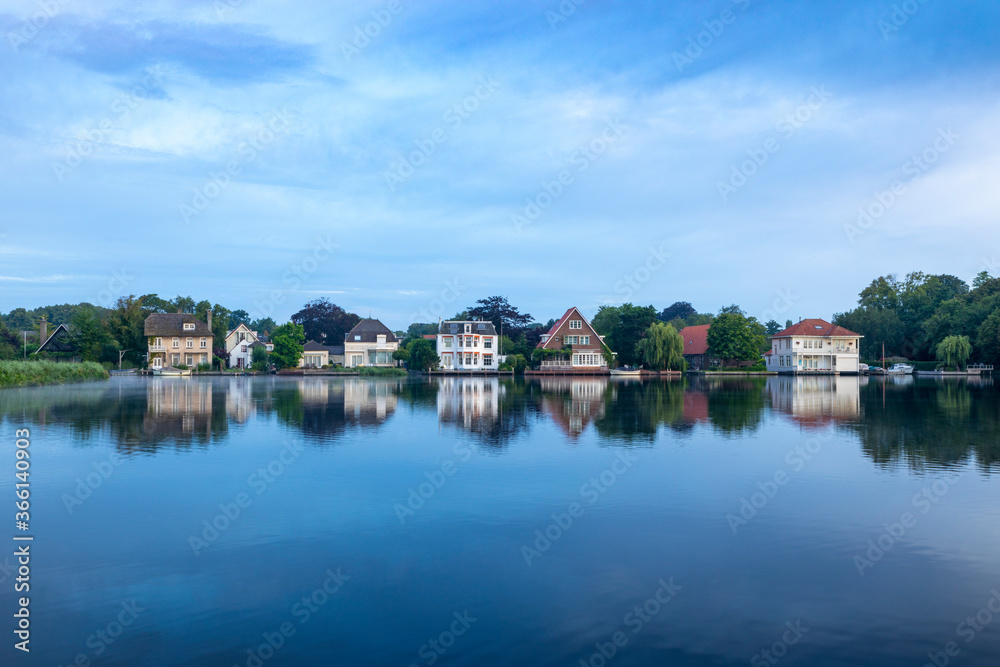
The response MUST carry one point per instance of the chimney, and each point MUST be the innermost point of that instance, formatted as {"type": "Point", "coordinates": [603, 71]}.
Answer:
{"type": "Point", "coordinates": [179, 311]}
{"type": "Point", "coordinates": [43, 331]}
{"type": "Point", "coordinates": [209, 316]}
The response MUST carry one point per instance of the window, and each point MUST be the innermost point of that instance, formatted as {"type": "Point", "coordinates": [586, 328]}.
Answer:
{"type": "Point", "coordinates": [380, 339]}
{"type": "Point", "coordinates": [189, 326]}
{"type": "Point", "coordinates": [447, 342]}
{"type": "Point", "coordinates": [175, 359]}
{"type": "Point", "coordinates": [584, 340]}
{"type": "Point", "coordinates": [159, 342]}
{"type": "Point", "coordinates": [488, 343]}
{"type": "Point", "coordinates": [461, 341]}
{"type": "Point", "coordinates": [204, 359]}
{"type": "Point", "coordinates": [204, 343]}
{"type": "Point", "coordinates": [469, 342]}
{"type": "Point", "coordinates": [190, 360]}
{"type": "Point", "coordinates": [189, 343]}
{"type": "Point", "coordinates": [177, 342]}
{"type": "Point", "coordinates": [468, 328]}
{"type": "Point", "coordinates": [487, 360]}
{"type": "Point", "coordinates": [468, 359]}
{"type": "Point", "coordinates": [571, 340]}
{"type": "Point", "coordinates": [481, 326]}
{"type": "Point", "coordinates": [243, 349]}
{"type": "Point", "coordinates": [357, 337]}
{"type": "Point", "coordinates": [576, 324]}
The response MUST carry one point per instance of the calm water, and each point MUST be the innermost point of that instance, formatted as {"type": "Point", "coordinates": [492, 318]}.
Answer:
{"type": "Point", "coordinates": [828, 521]}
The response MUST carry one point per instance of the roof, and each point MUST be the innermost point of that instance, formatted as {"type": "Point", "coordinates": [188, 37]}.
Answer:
{"type": "Point", "coordinates": [53, 345]}
{"type": "Point", "coordinates": [313, 346]}
{"type": "Point", "coordinates": [547, 336]}
{"type": "Point", "coordinates": [336, 349]}
{"type": "Point", "coordinates": [172, 324]}
{"type": "Point", "coordinates": [695, 339]}
{"type": "Point", "coordinates": [815, 327]}
{"type": "Point", "coordinates": [369, 330]}
{"type": "Point", "coordinates": [479, 327]}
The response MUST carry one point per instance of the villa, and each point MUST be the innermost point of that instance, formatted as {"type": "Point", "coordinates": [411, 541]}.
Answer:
{"type": "Point", "coordinates": [370, 343]}
{"type": "Point", "coordinates": [468, 345]}
{"type": "Point", "coordinates": [814, 346]}
{"type": "Point", "coordinates": [178, 338]}
{"type": "Point", "coordinates": [573, 333]}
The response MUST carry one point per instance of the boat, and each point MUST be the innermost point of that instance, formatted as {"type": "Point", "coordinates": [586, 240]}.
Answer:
{"type": "Point", "coordinates": [900, 369]}
{"type": "Point", "coordinates": [170, 371]}
{"type": "Point", "coordinates": [625, 371]}
{"type": "Point", "coordinates": [127, 371]}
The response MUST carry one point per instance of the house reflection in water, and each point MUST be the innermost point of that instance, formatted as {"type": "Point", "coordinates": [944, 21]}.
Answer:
{"type": "Point", "coordinates": [816, 400]}
{"type": "Point", "coordinates": [240, 406]}
{"type": "Point", "coordinates": [470, 402]}
{"type": "Point", "coordinates": [366, 402]}
{"type": "Point", "coordinates": [178, 407]}
{"type": "Point", "coordinates": [573, 403]}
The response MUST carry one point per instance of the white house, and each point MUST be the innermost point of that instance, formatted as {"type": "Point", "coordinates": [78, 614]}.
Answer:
{"type": "Point", "coordinates": [468, 345]}
{"type": "Point", "coordinates": [239, 346]}
{"type": "Point", "coordinates": [814, 346]}
{"type": "Point", "coordinates": [369, 343]}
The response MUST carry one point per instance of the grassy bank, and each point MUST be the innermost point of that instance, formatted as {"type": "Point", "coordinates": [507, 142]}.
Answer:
{"type": "Point", "coordinates": [381, 371]}
{"type": "Point", "coordinates": [28, 373]}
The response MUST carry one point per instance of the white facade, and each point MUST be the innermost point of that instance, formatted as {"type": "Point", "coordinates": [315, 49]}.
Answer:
{"type": "Point", "coordinates": [468, 345]}
{"type": "Point", "coordinates": [812, 354]}
{"type": "Point", "coordinates": [238, 346]}
{"type": "Point", "coordinates": [369, 343]}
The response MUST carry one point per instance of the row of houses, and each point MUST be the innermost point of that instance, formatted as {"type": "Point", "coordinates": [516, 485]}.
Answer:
{"type": "Point", "coordinates": [812, 345]}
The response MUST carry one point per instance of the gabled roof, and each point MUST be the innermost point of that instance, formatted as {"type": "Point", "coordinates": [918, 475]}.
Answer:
{"type": "Point", "coordinates": [172, 324]}
{"type": "Point", "coordinates": [313, 346]}
{"type": "Point", "coordinates": [369, 330]}
{"type": "Point", "coordinates": [478, 328]}
{"type": "Point", "coordinates": [548, 335]}
{"type": "Point", "coordinates": [815, 327]}
{"type": "Point", "coordinates": [244, 327]}
{"type": "Point", "coordinates": [51, 344]}
{"type": "Point", "coordinates": [695, 339]}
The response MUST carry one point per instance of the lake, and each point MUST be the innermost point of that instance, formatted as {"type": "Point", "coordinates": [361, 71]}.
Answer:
{"type": "Point", "coordinates": [484, 521]}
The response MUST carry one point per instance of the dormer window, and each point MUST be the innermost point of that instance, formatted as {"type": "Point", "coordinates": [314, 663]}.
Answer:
{"type": "Point", "coordinates": [189, 326]}
{"type": "Point", "coordinates": [357, 337]}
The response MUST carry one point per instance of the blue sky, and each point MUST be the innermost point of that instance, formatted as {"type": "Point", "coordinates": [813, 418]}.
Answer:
{"type": "Point", "coordinates": [260, 154]}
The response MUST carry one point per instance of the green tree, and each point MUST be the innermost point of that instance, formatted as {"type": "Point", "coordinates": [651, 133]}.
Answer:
{"type": "Point", "coordinates": [733, 335]}
{"type": "Point", "coordinates": [263, 326]}
{"type": "Point", "coordinates": [89, 335]}
{"type": "Point", "coordinates": [238, 317]}
{"type": "Point", "coordinates": [325, 322]}
{"type": "Point", "coordinates": [402, 354]}
{"type": "Point", "coordinates": [498, 310]}
{"type": "Point", "coordinates": [988, 339]}
{"type": "Point", "coordinates": [772, 327]}
{"type": "Point", "coordinates": [422, 355]}
{"type": "Point", "coordinates": [184, 304]}
{"type": "Point", "coordinates": [289, 341]}
{"type": "Point", "coordinates": [662, 348]}
{"type": "Point", "coordinates": [259, 358]}
{"type": "Point", "coordinates": [679, 310]}
{"type": "Point", "coordinates": [11, 345]}
{"type": "Point", "coordinates": [954, 351]}
{"type": "Point", "coordinates": [126, 323]}
{"type": "Point", "coordinates": [623, 327]}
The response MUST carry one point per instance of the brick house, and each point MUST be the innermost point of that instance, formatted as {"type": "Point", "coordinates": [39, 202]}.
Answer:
{"type": "Point", "coordinates": [573, 330]}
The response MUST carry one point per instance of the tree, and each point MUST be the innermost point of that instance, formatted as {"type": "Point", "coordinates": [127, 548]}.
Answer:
{"type": "Point", "coordinates": [89, 335]}
{"type": "Point", "coordinates": [289, 341]}
{"type": "Point", "coordinates": [679, 310]}
{"type": "Point", "coordinates": [623, 327]}
{"type": "Point", "coordinates": [772, 327]}
{"type": "Point", "coordinates": [325, 322]}
{"type": "Point", "coordinates": [11, 345]}
{"type": "Point", "coordinates": [126, 323]}
{"type": "Point", "coordinates": [238, 317]}
{"type": "Point", "coordinates": [954, 351]}
{"type": "Point", "coordinates": [736, 336]}
{"type": "Point", "coordinates": [662, 348]}
{"type": "Point", "coordinates": [401, 354]}
{"type": "Point", "coordinates": [988, 339]}
{"type": "Point", "coordinates": [259, 358]}
{"type": "Point", "coordinates": [498, 310]}
{"type": "Point", "coordinates": [263, 326]}
{"type": "Point", "coordinates": [982, 278]}
{"type": "Point", "coordinates": [515, 362]}
{"type": "Point", "coordinates": [419, 330]}
{"type": "Point", "coordinates": [881, 294]}
{"type": "Point", "coordinates": [184, 304]}
{"type": "Point", "coordinates": [422, 355]}
{"type": "Point", "coordinates": [154, 304]}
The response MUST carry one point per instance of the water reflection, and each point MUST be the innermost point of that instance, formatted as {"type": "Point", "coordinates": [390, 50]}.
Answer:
{"type": "Point", "coordinates": [909, 420]}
